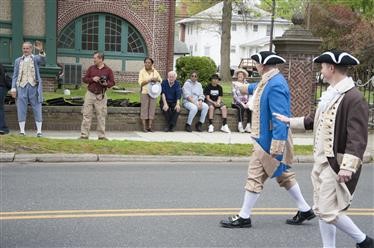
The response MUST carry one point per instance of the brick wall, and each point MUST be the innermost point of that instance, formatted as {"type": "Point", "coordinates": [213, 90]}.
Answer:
{"type": "Point", "coordinates": [118, 119]}
{"type": "Point", "coordinates": [153, 19]}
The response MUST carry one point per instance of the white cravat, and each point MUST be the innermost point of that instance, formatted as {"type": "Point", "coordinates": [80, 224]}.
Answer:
{"type": "Point", "coordinates": [327, 97]}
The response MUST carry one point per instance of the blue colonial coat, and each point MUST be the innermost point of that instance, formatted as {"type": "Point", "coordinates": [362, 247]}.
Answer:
{"type": "Point", "coordinates": [272, 135]}
{"type": "Point", "coordinates": [38, 60]}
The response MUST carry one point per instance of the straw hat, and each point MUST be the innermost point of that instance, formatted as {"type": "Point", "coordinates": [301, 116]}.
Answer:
{"type": "Point", "coordinates": [240, 70]}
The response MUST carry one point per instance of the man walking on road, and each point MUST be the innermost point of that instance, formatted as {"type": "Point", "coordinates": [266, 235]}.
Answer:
{"type": "Point", "coordinates": [272, 153]}
{"type": "Point", "coordinates": [340, 129]}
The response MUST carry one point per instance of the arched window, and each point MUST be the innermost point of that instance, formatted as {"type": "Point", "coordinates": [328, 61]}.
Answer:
{"type": "Point", "coordinates": [103, 32]}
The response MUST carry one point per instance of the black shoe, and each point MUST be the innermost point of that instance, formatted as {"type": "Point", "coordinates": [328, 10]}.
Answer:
{"type": "Point", "coordinates": [188, 128]}
{"type": "Point", "coordinates": [166, 129]}
{"type": "Point", "coordinates": [236, 222]}
{"type": "Point", "coordinates": [300, 217]}
{"type": "Point", "coordinates": [367, 243]}
{"type": "Point", "coordinates": [198, 126]}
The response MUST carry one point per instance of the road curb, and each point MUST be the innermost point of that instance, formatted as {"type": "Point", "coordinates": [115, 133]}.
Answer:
{"type": "Point", "coordinates": [89, 157]}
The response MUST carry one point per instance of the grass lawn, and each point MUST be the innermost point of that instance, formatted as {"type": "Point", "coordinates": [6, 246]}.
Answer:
{"type": "Point", "coordinates": [19, 144]}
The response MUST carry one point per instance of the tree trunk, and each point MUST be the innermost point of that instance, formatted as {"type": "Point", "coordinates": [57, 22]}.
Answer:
{"type": "Point", "coordinates": [225, 40]}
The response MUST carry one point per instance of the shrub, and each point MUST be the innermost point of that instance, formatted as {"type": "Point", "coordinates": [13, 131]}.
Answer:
{"type": "Point", "coordinates": [204, 66]}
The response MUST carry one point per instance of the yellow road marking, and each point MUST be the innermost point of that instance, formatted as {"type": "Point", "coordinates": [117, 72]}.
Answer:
{"type": "Point", "coordinates": [61, 214]}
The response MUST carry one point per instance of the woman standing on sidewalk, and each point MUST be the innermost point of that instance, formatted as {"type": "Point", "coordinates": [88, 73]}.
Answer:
{"type": "Point", "coordinates": [148, 75]}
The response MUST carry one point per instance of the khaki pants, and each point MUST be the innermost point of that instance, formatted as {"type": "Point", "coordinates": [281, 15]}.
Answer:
{"type": "Point", "coordinates": [148, 107]}
{"type": "Point", "coordinates": [99, 103]}
{"type": "Point", "coordinates": [330, 197]}
{"type": "Point", "coordinates": [258, 172]}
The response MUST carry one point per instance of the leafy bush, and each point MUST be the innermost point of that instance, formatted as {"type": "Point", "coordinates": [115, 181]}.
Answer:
{"type": "Point", "coordinates": [204, 66]}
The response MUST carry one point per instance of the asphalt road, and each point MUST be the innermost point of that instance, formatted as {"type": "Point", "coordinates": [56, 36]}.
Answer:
{"type": "Point", "coordinates": [155, 205]}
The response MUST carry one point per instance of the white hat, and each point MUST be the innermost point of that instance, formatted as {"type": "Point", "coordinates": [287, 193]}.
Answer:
{"type": "Point", "coordinates": [154, 89]}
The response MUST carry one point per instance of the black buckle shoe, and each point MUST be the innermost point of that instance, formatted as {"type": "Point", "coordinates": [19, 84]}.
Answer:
{"type": "Point", "coordinates": [300, 217]}
{"type": "Point", "coordinates": [367, 243]}
{"type": "Point", "coordinates": [236, 222]}
{"type": "Point", "coordinates": [198, 126]}
{"type": "Point", "coordinates": [188, 128]}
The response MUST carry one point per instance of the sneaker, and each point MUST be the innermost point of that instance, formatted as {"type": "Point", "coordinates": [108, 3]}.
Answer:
{"type": "Point", "coordinates": [39, 135]}
{"type": "Point", "coordinates": [240, 127]}
{"type": "Point", "coordinates": [103, 138]}
{"type": "Point", "coordinates": [236, 222]}
{"type": "Point", "coordinates": [210, 128]}
{"type": "Point", "coordinates": [248, 128]}
{"type": "Point", "coordinates": [367, 243]}
{"type": "Point", "coordinates": [188, 128]}
{"type": "Point", "coordinates": [225, 129]}
{"type": "Point", "coordinates": [199, 126]}
{"type": "Point", "coordinates": [300, 217]}
{"type": "Point", "coordinates": [22, 134]}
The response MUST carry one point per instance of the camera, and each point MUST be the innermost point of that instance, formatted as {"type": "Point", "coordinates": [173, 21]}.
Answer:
{"type": "Point", "coordinates": [103, 80]}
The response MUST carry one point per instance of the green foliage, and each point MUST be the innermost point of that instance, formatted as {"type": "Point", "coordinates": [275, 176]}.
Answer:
{"type": "Point", "coordinates": [204, 66]}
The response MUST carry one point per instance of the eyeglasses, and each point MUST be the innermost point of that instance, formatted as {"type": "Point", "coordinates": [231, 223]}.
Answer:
{"type": "Point", "coordinates": [193, 75]}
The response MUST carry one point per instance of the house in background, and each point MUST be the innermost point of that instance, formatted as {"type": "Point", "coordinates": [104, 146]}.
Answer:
{"type": "Point", "coordinates": [250, 31]}
{"type": "Point", "coordinates": [71, 30]}
{"type": "Point", "coordinates": [180, 50]}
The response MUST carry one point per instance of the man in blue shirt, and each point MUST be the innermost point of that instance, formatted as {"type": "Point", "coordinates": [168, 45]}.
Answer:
{"type": "Point", "coordinates": [169, 102]}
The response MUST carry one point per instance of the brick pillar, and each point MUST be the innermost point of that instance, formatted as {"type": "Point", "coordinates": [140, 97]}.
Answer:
{"type": "Point", "coordinates": [298, 46]}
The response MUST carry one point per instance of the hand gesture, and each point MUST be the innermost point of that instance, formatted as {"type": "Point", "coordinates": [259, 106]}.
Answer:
{"type": "Point", "coordinates": [177, 108]}
{"type": "Point", "coordinates": [96, 78]}
{"type": "Point", "coordinates": [39, 45]}
{"type": "Point", "coordinates": [165, 107]}
{"type": "Point", "coordinates": [344, 176]}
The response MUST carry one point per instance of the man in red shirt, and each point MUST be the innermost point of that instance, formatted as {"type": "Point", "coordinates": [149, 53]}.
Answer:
{"type": "Point", "coordinates": [99, 78]}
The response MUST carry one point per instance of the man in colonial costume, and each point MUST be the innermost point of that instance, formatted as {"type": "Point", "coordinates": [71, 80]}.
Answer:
{"type": "Point", "coordinates": [340, 126]}
{"type": "Point", "coordinates": [272, 155]}
{"type": "Point", "coordinates": [27, 85]}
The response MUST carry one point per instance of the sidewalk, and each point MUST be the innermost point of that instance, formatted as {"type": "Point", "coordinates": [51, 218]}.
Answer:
{"type": "Point", "coordinates": [194, 137]}
{"type": "Point", "coordinates": [159, 136]}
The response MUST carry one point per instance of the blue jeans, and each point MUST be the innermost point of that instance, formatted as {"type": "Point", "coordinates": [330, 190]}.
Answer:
{"type": "Point", "coordinates": [3, 126]}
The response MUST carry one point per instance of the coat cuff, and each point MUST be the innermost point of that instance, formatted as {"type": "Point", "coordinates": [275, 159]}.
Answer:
{"type": "Point", "coordinates": [277, 147]}
{"type": "Point", "coordinates": [350, 163]}
{"type": "Point", "coordinates": [297, 123]}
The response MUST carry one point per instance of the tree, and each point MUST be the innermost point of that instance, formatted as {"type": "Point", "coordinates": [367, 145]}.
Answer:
{"type": "Point", "coordinates": [225, 40]}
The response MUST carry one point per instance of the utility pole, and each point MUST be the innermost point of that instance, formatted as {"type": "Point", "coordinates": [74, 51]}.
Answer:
{"type": "Point", "coordinates": [272, 25]}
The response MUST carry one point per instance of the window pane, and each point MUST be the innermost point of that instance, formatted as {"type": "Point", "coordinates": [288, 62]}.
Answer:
{"type": "Point", "coordinates": [112, 33]}
{"type": "Point", "coordinates": [135, 44]}
{"type": "Point", "coordinates": [67, 37]}
{"type": "Point", "coordinates": [90, 32]}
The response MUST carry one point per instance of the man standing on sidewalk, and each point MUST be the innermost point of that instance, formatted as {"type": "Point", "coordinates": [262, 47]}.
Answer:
{"type": "Point", "coordinates": [340, 127]}
{"type": "Point", "coordinates": [272, 153]}
{"type": "Point", "coordinates": [99, 78]}
{"type": "Point", "coordinates": [27, 85]}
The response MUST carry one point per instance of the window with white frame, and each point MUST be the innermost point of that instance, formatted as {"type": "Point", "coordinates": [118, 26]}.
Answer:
{"type": "Point", "coordinates": [268, 29]}
{"type": "Point", "coordinates": [233, 49]}
{"type": "Point", "coordinates": [233, 27]}
{"type": "Point", "coordinates": [206, 51]}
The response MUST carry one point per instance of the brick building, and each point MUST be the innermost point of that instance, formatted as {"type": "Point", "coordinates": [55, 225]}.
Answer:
{"type": "Point", "coordinates": [126, 30]}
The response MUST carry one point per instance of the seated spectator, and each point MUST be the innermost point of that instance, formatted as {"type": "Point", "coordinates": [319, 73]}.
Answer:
{"type": "Point", "coordinates": [193, 101]}
{"type": "Point", "coordinates": [213, 97]}
{"type": "Point", "coordinates": [240, 101]}
{"type": "Point", "coordinates": [169, 102]}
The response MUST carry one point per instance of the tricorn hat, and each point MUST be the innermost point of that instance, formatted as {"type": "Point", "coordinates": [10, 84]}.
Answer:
{"type": "Point", "coordinates": [154, 89]}
{"type": "Point", "coordinates": [267, 58]}
{"type": "Point", "coordinates": [336, 58]}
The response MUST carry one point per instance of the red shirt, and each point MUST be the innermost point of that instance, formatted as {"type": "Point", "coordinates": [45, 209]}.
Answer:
{"type": "Point", "coordinates": [93, 71]}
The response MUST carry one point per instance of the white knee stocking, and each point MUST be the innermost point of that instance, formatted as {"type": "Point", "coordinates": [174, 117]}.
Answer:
{"type": "Point", "coordinates": [250, 199]}
{"type": "Point", "coordinates": [328, 234]}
